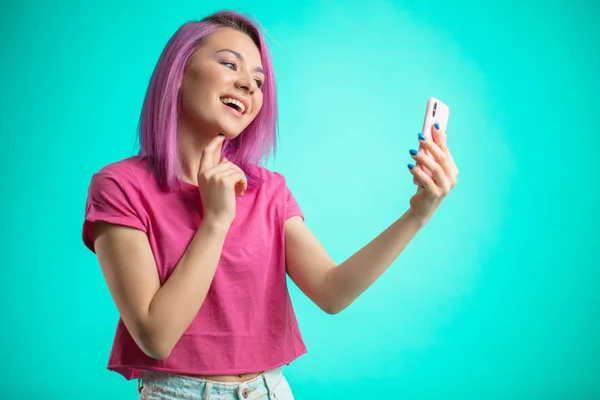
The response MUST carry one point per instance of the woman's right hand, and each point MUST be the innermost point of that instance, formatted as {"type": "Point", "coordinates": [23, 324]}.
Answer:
{"type": "Point", "coordinates": [219, 181]}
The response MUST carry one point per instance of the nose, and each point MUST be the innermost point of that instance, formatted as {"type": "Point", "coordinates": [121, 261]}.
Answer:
{"type": "Point", "coordinates": [246, 82]}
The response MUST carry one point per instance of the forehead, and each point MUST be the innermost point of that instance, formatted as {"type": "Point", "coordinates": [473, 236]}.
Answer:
{"type": "Point", "coordinates": [228, 38]}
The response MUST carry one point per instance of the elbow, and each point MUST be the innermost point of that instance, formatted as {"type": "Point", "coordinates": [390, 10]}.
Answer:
{"type": "Point", "coordinates": [331, 307]}
{"type": "Point", "coordinates": [157, 353]}
{"type": "Point", "coordinates": [331, 311]}
{"type": "Point", "coordinates": [330, 302]}
{"type": "Point", "coordinates": [154, 346]}
{"type": "Point", "coordinates": [326, 300]}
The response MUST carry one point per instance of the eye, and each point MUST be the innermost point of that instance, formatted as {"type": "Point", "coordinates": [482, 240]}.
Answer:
{"type": "Point", "coordinates": [259, 83]}
{"type": "Point", "coordinates": [229, 65]}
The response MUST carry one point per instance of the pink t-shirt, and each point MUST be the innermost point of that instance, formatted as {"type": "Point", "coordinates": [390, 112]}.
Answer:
{"type": "Point", "coordinates": [247, 322]}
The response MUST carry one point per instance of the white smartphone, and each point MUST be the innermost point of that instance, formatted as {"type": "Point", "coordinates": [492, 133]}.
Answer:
{"type": "Point", "coordinates": [436, 112]}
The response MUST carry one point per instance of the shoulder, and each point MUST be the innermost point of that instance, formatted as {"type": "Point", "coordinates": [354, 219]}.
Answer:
{"type": "Point", "coordinates": [127, 173]}
{"type": "Point", "coordinates": [115, 196]}
{"type": "Point", "coordinates": [268, 177]}
{"type": "Point", "coordinates": [129, 179]}
{"type": "Point", "coordinates": [275, 187]}
{"type": "Point", "coordinates": [270, 181]}
{"type": "Point", "coordinates": [136, 166]}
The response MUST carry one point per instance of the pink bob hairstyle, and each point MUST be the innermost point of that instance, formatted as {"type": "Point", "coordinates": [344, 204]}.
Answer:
{"type": "Point", "coordinates": [158, 119]}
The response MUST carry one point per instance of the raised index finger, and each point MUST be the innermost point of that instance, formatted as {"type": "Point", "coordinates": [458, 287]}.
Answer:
{"type": "Point", "coordinates": [211, 155]}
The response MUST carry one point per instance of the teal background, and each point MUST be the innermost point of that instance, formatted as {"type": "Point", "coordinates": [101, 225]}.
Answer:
{"type": "Point", "coordinates": [497, 298]}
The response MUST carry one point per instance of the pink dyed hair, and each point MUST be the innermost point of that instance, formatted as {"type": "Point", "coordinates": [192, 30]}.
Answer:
{"type": "Point", "coordinates": [158, 119]}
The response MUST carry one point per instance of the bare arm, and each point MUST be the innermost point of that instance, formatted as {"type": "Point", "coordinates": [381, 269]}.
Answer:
{"type": "Point", "coordinates": [333, 288]}
{"type": "Point", "coordinates": [156, 316]}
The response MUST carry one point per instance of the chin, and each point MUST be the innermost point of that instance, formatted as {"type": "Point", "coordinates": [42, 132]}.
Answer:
{"type": "Point", "coordinates": [230, 132]}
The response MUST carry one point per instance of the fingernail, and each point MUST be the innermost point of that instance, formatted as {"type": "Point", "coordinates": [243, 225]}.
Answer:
{"type": "Point", "coordinates": [220, 134]}
{"type": "Point", "coordinates": [246, 177]}
{"type": "Point", "coordinates": [413, 152]}
{"type": "Point", "coordinates": [410, 166]}
{"type": "Point", "coordinates": [437, 126]}
{"type": "Point", "coordinates": [421, 137]}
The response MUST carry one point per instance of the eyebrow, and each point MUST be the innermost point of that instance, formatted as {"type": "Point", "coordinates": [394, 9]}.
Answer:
{"type": "Point", "coordinates": [238, 55]}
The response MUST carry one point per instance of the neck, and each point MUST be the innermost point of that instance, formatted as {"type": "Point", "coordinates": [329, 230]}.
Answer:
{"type": "Point", "coordinates": [191, 142]}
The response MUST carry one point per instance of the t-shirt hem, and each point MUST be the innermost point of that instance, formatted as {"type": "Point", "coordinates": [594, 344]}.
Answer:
{"type": "Point", "coordinates": [292, 215]}
{"type": "Point", "coordinates": [130, 372]}
{"type": "Point", "coordinates": [115, 220]}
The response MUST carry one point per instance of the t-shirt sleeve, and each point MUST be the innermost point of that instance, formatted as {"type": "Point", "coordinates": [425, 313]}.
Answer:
{"type": "Point", "coordinates": [292, 209]}
{"type": "Point", "coordinates": [110, 201]}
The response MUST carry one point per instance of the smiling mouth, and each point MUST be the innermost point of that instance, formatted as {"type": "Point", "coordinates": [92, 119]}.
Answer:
{"type": "Point", "coordinates": [233, 103]}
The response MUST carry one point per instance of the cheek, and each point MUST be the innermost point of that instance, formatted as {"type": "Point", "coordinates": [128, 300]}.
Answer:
{"type": "Point", "coordinates": [193, 94]}
{"type": "Point", "coordinates": [258, 101]}
{"type": "Point", "coordinates": [185, 102]}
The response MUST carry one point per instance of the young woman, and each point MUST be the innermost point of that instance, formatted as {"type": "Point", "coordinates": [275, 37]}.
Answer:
{"type": "Point", "coordinates": [194, 238]}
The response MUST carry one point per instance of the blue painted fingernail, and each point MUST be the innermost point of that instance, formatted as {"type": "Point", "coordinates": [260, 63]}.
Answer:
{"type": "Point", "coordinates": [421, 137]}
{"type": "Point", "coordinates": [437, 126]}
{"type": "Point", "coordinates": [246, 177]}
{"type": "Point", "coordinates": [410, 166]}
{"type": "Point", "coordinates": [220, 134]}
{"type": "Point", "coordinates": [413, 152]}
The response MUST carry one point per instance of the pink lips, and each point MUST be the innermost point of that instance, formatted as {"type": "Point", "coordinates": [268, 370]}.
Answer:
{"type": "Point", "coordinates": [238, 98]}
{"type": "Point", "coordinates": [233, 111]}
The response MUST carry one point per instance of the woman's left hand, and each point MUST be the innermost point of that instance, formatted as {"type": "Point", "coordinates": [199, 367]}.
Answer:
{"type": "Point", "coordinates": [432, 190]}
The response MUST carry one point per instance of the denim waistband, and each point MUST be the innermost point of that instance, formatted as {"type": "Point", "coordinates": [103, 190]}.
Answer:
{"type": "Point", "coordinates": [199, 388]}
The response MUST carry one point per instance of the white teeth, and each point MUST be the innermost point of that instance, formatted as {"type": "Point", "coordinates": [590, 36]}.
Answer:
{"type": "Point", "coordinates": [229, 100]}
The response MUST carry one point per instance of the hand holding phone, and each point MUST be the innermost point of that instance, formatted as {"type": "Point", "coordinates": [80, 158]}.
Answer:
{"type": "Point", "coordinates": [436, 112]}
